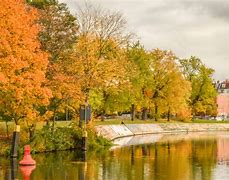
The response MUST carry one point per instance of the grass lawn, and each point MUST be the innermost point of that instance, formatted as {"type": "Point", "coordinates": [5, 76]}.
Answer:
{"type": "Point", "coordinates": [39, 126]}
{"type": "Point", "coordinates": [57, 124]}
{"type": "Point", "coordinates": [108, 122]}
{"type": "Point", "coordinates": [137, 121]}
{"type": "Point", "coordinates": [208, 121]}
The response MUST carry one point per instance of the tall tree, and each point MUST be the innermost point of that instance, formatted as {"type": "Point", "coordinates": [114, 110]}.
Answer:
{"type": "Point", "coordinates": [169, 89]}
{"type": "Point", "coordinates": [141, 81]}
{"type": "Point", "coordinates": [22, 64]}
{"type": "Point", "coordinates": [57, 36]}
{"type": "Point", "coordinates": [202, 100]}
{"type": "Point", "coordinates": [59, 29]}
{"type": "Point", "coordinates": [98, 59]}
{"type": "Point", "coordinates": [95, 74]}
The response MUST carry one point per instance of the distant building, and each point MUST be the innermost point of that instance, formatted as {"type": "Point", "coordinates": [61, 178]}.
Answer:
{"type": "Point", "coordinates": [223, 86]}
{"type": "Point", "coordinates": [222, 99]}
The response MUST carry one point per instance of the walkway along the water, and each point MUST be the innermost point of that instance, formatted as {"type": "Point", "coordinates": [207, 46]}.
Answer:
{"type": "Point", "coordinates": [112, 132]}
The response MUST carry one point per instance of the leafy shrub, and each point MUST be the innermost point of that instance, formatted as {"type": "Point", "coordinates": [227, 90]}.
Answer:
{"type": "Point", "coordinates": [61, 138]}
{"type": "Point", "coordinates": [65, 138]}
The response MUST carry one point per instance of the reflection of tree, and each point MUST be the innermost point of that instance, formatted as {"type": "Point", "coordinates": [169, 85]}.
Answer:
{"type": "Point", "coordinates": [204, 154]}
{"type": "Point", "coordinates": [144, 150]}
{"type": "Point", "coordinates": [132, 155]}
{"type": "Point", "coordinates": [171, 160]}
{"type": "Point", "coordinates": [165, 160]}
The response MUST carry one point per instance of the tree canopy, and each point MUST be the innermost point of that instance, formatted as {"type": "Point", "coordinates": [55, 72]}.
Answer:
{"type": "Point", "coordinates": [22, 63]}
{"type": "Point", "coordinates": [52, 61]}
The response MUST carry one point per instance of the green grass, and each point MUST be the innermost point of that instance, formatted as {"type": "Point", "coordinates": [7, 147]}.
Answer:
{"type": "Point", "coordinates": [38, 126]}
{"type": "Point", "coordinates": [208, 121]}
{"type": "Point", "coordinates": [57, 124]}
{"type": "Point", "coordinates": [119, 121]}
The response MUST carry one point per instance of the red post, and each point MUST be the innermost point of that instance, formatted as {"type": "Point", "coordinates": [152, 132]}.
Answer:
{"type": "Point", "coordinates": [27, 159]}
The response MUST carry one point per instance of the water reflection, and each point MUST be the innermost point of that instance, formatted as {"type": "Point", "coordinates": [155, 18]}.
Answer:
{"type": "Point", "coordinates": [11, 173]}
{"type": "Point", "coordinates": [27, 171]}
{"type": "Point", "coordinates": [164, 157]}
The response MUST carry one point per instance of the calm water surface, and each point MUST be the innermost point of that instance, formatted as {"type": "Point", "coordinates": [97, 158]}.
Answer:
{"type": "Point", "coordinates": [158, 157]}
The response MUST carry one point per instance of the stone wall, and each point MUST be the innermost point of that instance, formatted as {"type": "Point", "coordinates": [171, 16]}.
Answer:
{"type": "Point", "coordinates": [124, 130]}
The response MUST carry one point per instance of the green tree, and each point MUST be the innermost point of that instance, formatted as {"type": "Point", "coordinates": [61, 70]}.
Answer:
{"type": "Point", "coordinates": [141, 80]}
{"type": "Point", "coordinates": [57, 36]}
{"type": "Point", "coordinates": [59, 29]}
{"type": "Point", "coordinates": [40, 3]}
{"type": "Point", "coordinates": [203, 94]}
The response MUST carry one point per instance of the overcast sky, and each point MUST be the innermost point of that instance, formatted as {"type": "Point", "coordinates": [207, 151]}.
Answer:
{"type": "Point", "coordinates": [187, 27]}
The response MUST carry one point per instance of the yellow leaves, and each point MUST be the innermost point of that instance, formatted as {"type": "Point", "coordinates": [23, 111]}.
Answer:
{"type": "Point", "coordinates": [93, 65]}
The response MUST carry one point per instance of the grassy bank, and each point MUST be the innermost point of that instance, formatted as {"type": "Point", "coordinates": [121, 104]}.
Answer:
{"type": "Point", "coordinates": [150, 121]}
{"type": "Point", "coordinates": [209, 121]}
{"type": "Point", "coordinates": [66, 136]}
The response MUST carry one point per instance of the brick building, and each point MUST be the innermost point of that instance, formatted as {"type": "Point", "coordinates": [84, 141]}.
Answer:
{"type": "Point", "coordinates": [222, 99]}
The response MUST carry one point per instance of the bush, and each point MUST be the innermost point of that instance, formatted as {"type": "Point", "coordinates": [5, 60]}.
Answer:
{"type": "Point", "coordinates": [61, 138]}
{"type": "Point", "coordinates": [95, 141]}
{"type": "Point", "coordinates": [65, 138]}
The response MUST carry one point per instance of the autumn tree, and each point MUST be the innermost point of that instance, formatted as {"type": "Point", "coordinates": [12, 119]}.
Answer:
{"type": "Point", "coordinates": [203, 94]}
{"type": "Point", "coordinates": [116, 96]}
{"type": "Point", "coordinates": [98, 60]}
{"type": "Point", "coordinates": [57, 36]}
{"type": "Point", "coordinates": [95, 74]}
{"type": "Point", "coordinates": [22, 64]}
{"type": "Point", "coordinates": [169, 90]}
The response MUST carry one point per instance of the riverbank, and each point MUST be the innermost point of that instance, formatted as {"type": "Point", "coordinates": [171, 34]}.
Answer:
{"type": "Point", "coordinates": [48, 139]}
{"type": "Point", "coordinates": [66, 138]}
{"type": "Point", "coordinates": [112, 132]}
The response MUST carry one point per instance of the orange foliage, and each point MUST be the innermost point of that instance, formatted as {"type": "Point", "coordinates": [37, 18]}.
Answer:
{"type": "Point", "coordinates": [22, 63]}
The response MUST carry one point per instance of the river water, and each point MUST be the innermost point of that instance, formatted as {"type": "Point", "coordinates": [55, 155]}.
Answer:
{"type": "Point", "coordinates": [197, 156]}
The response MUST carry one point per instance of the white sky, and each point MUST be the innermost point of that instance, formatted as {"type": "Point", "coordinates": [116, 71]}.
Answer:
{"type": "Point", "coordinates": [187, 27]}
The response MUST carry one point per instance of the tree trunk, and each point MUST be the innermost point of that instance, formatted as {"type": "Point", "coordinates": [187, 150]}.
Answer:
{"type": "Point", "coordinates": [32, 131]}
{"type": "Point", "coordinates": [103, 116]}
{"type": "Point", "coordinates": [156, 112]}
{"type": "Point", "coordinates": [66, 114]}
{"type": "Point", "coordinates": [53, 121]}
{"type": "Point", "coordinates": [7, 129]}
{"type": "Point", "coordinates": [47, 122]}
{"type": "Point", "coordinates": [31, 134]}
{"type": "Point", "coordinates": [144, 113]}
{"type": "Point", "coordinates": [168, 115]}
{"type": "Point", "coordinates": [132, 112]}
